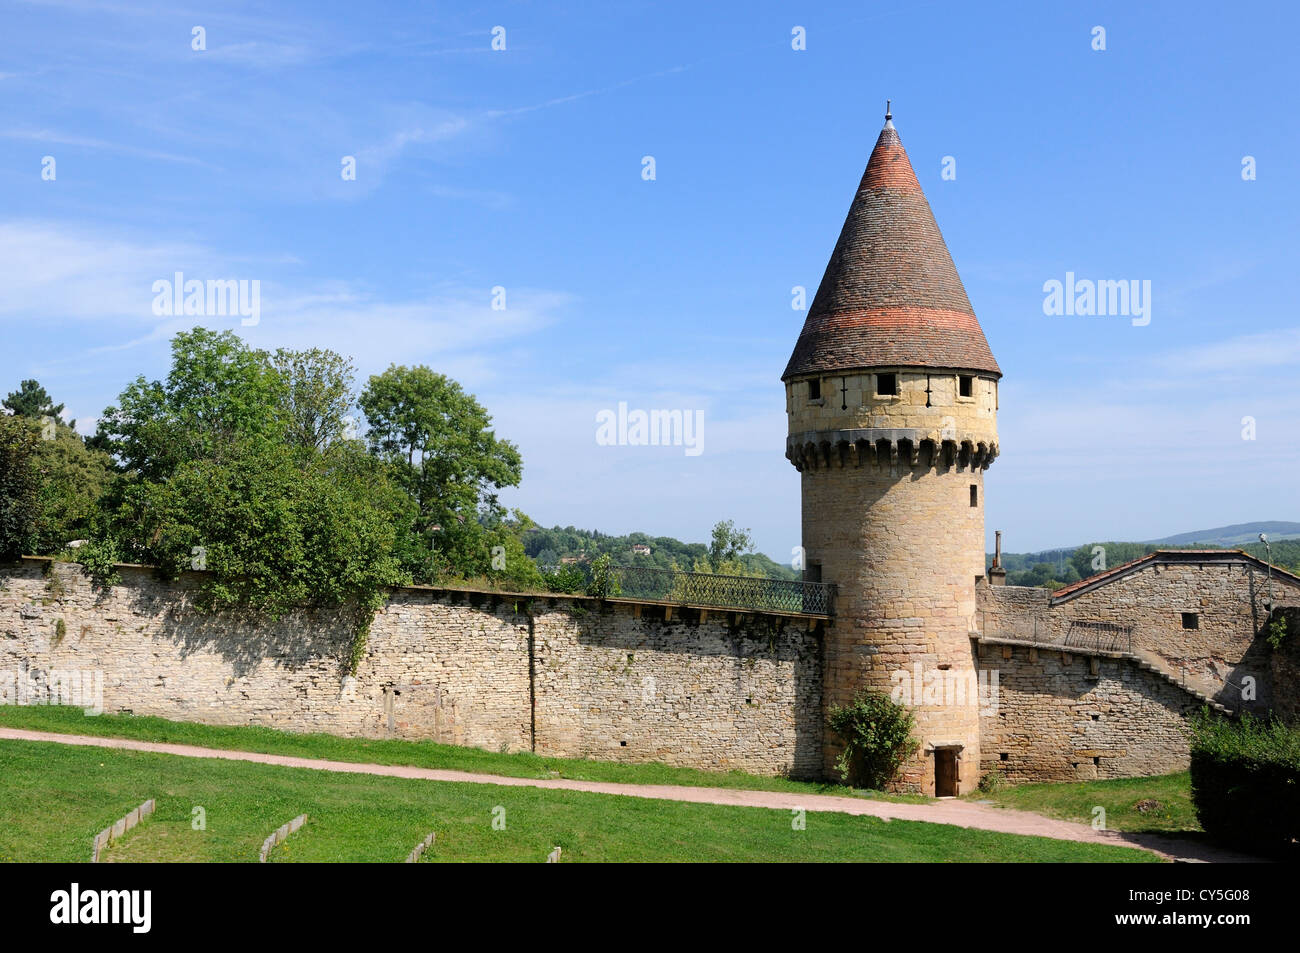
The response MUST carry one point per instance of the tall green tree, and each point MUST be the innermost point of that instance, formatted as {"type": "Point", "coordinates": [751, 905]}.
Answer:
{"type": "Point", "coordinates": [219, 393]}
{"type": "Point", "coordinates": [73, 477]}
{"type": "Point", "coordinates": [19, 486]}
{"type": "Point", "coordinates": [319, 391]}
{"type": "Point", "coordinates": [31, 400]}
{"type": "Point", "coordinates": [438, 441]}
{"type": "Point", "coordinates": [728, 547]}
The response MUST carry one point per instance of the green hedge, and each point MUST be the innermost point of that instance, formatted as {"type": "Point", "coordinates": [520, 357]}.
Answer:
{"type": "Point", "coordinates": [1246, 782]}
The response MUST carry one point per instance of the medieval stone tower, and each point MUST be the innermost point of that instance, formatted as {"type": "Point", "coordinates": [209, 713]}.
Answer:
{"type": "Point", "coordinates": [892, 396]}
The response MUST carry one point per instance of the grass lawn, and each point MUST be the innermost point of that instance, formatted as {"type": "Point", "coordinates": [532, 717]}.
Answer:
{"type": "Point", "coordinates": [1174, 814]}
{"type": "Point", "coordinates": [56, 797]}
{"type": "Point", "coordinates": [420, 754]}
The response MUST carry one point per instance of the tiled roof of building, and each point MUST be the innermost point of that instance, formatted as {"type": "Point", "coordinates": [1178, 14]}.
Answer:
{"type": "Point", "coordinates": [890, 296]}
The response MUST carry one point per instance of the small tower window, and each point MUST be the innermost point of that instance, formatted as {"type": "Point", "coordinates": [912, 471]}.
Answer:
{"type": "Point", "coordinates": [1191, 620]}
{"type": "Point", "coordinates": [887, 385]}
{"type": "Point", "coordinates": [815, 389]}
{"type": "Point", "coordinates": [965, 385]}
{"type": "Point", "coordinates": [974, 494]}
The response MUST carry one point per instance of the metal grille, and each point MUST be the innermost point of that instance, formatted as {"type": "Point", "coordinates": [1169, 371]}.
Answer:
{"type": "Point", "coordinates": [1107, 636]}
{"type": "Point", "coordinates": [726, 592]}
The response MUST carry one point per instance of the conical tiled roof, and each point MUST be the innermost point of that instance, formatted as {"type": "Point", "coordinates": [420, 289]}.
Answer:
{"type": "Point", "coordinates": [890, 296]}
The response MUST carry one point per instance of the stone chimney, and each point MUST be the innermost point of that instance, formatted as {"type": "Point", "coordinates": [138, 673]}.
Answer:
{"type": "Point", "coordinates": [997, 575]}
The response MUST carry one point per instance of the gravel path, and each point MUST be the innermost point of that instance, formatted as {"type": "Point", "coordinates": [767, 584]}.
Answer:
{"type": "Point", "coordinates": [959, 813]}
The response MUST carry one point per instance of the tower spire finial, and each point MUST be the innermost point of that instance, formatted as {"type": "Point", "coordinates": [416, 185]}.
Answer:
{"type": "Point", "coordinates": [888, 114]}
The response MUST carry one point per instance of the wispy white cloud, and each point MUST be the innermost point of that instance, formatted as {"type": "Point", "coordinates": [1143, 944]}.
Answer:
{"type": "Point", "coordinates": [1241, 356]}
{"type": "Point", "coordinates": [84, 142]}
{"type": "Point", "coordinates": [68, 276]}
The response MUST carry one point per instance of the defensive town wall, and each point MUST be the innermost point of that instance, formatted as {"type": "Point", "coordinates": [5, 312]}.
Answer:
{"type": "Point", "coordinates": [633, 681]}
{"type": "Point", "coordinates": [564, 676]}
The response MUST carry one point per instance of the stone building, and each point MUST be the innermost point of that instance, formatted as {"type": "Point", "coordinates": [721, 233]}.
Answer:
{"type": "Point", "coordinates": [892, 400]}
{"type": "Point", "coordinates": [892, 396]}
{"type": "Point", "coordinates": [1096, 680]}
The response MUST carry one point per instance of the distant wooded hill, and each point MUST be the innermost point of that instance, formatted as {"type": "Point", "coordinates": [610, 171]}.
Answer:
{"type": "Point", "coordinates": [550, 547]}
{"type": "Point", "coordinates": [1054, 568]}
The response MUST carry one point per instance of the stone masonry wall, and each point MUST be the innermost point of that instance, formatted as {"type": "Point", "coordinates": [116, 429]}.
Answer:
{"type": "Point", "coordinates": [562, 676]}
{"type": "Point", "coordinates": [1071, 717]}
{"type": "Point", "coordinates": [1222, 652]}
{"type": "Point", "coordinates": [614, 686]}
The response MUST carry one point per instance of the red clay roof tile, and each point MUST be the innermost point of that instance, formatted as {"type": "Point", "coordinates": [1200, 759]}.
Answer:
{"type": "Point", "coordinates": [890, 295]}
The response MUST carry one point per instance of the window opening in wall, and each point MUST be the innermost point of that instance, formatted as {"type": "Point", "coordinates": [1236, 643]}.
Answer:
{"type": "Point", "coordinates": [974, 494]}
{"type": "Point", "coordinates": [886, 385]}
{"type": "Point", "coordinates": [965, 385]}
{"type": "Point", "coordinates": [815, 390]}
{"type": "Point", "coordinates": [1191, 620]}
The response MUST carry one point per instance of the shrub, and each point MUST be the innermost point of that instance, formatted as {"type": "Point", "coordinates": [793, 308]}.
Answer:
{"type": "Point", "coordinates": [99, 558]}
{"type": "Point", "coordinates": [1246, 782]}
{"type": "Point", "coordinates": [604, 581]}
{"type": "Point", "coordinates": [877, 736]}
{"type": "Point", "coordinates": [568, 578]}
{"type": "Point", "coordinates": [1277, 632]}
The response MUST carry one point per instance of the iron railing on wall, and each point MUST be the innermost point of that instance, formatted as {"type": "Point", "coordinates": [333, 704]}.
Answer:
{"type": "Point", "coordinates": [728, 592]}
{"type": "Point", "coordinates": [759, 594]}
{"type": "Point", "coordinates": [1106, 636]}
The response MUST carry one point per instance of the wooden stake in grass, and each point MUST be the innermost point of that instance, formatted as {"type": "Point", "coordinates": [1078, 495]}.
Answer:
{"type": "Point", "coordinates": [118, 828]}
{"type": "Point", "coordinates": [553, 857]}
{"type": "Point", "coordinates": [415, 855]}
{"type": "Point", "coordinates": [281, 832]}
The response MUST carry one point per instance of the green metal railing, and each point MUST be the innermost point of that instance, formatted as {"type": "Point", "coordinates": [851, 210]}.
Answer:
{"type": "Point", "coordinates": [725, 592]}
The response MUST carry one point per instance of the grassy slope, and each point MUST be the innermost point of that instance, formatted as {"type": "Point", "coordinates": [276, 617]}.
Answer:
{"type": "Point", "coordinates": [1075, 802]}
{"type": "Point", "coordinates": [56, 797]}
{"type": "Point", "coordinates": [422, 754]}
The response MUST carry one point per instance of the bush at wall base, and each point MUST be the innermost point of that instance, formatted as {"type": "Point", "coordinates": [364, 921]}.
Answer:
{"type": "Point", "coordinates": [1246, 783]}
{"type": "Point", "coordinates": [877, 736]}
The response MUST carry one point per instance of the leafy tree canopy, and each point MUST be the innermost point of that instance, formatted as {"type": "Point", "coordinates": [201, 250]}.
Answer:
{"type": "Point", "coordinates": [31, 400]}
{"type": "Point", "coordinates": [73, 478]}
{"type": "Point", "coordinates": [439, 444]}
{"type": "Point", "coordinates": [19, 486]}
{"type": "Point", "coordinates": [318, 395]}
{"type": "Point", "coordinates": [219, 393]}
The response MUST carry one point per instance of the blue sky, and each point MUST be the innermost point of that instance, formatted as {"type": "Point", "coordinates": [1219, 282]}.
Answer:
{"type": "Point", "coordinates": [522, 169]}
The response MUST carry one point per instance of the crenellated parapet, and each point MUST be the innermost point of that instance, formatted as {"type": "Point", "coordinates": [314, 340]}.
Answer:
{"type": "Point", "coordinates": [922, 450]}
